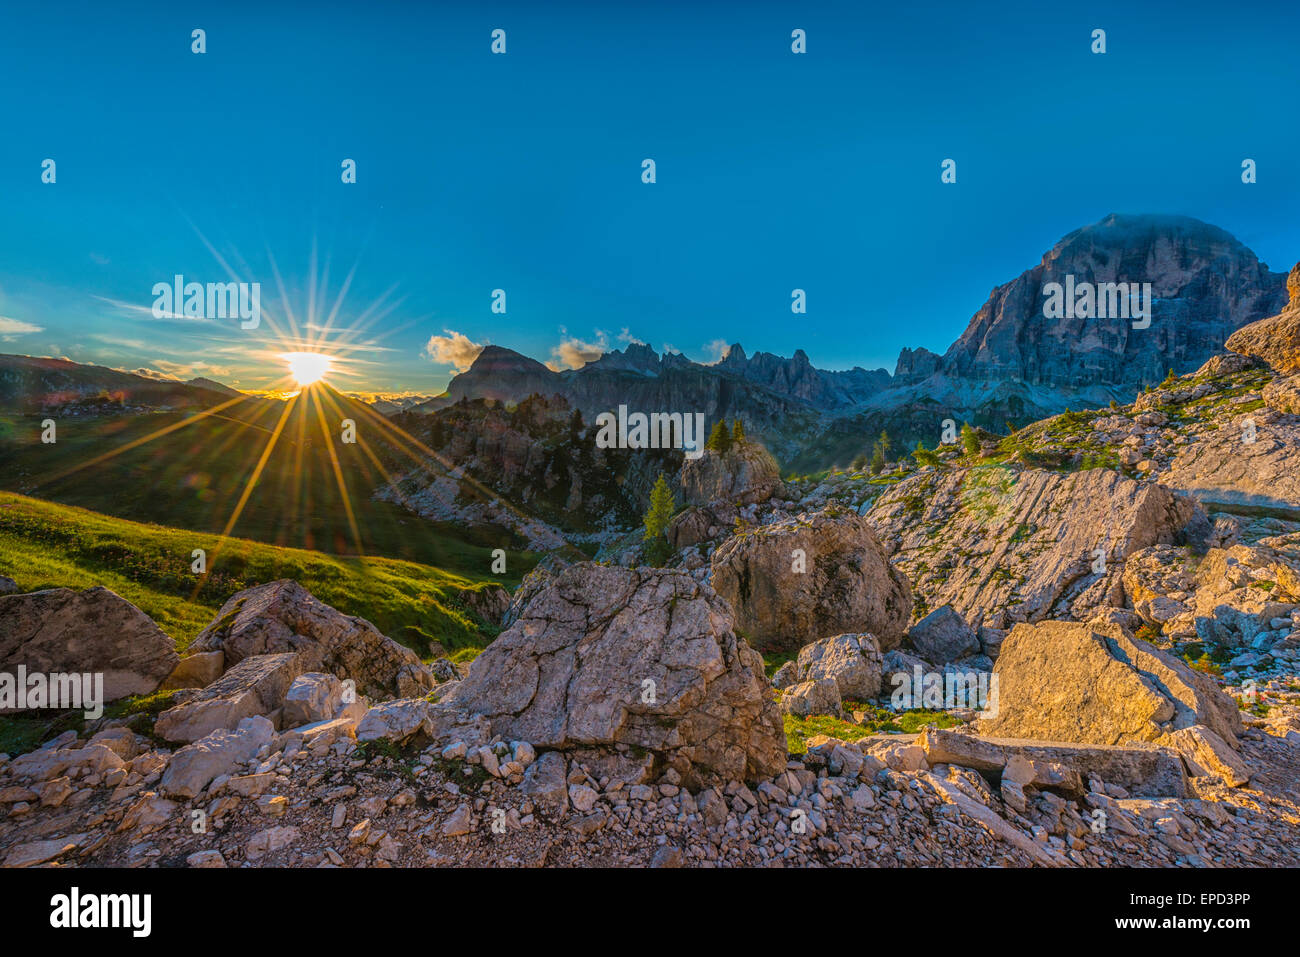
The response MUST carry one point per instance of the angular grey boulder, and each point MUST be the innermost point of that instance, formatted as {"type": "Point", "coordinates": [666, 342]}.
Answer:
{"type": "Point", "coordinates": [64, 631]}
{"type": "Point", "coordinates": [644, 658]}
{"type": "Point", "coordinates": [943, 636]}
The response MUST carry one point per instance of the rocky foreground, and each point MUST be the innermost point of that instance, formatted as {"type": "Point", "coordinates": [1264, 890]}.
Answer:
{"type": "Point", "coordinates": [619, 720]}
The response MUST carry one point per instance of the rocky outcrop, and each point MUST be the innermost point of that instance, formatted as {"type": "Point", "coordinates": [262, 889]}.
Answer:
{"type": "Point", "coordinates": [796, 581]}
{"type": "Point", "coordinates": [63, 631]}
{"type": "Point", "coordinates": [1023, 545]}
{"type": "Point", "coordinates": [282, 616]}
{"type": "Point", "coordinates": [1094, 683]}
{"type": "Point", "coordinates": [744, 475]}
{"type": "Point", "coordinates": [608, 657]}
{"type": "Point", "coordinates": [1283, 395]}
{"type": "Point", "coordinates": [1276, 340]}
{"type": "Point", "coordinates": [1249, 465]}
{"type": "Point", "coordinates": [255, 686]}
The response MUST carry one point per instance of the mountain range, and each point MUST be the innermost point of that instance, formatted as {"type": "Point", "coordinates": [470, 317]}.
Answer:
{"type": "Point", "coordinates": [1012, 363]}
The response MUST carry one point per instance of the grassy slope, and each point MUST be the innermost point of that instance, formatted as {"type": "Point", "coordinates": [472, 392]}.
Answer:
{"type": "Point", "coordinates": [43, 545]}
{"type": "Point", "coordinates": [194, 476]}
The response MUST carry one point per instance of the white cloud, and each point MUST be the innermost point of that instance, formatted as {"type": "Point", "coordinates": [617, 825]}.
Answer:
{"type": "Point", "coordinates": [626, 336]}
{"type": "Point", "coordinates": [574, 353]}
{"type": "Point", "coordinates": [716, 351]}
{"type": "Point", "coordinates": [454, 349]}
{"type": "Point", "coordinates": [11, 329]}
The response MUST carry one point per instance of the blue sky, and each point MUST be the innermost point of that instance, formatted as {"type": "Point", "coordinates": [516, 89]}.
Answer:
{"type": "Point", "coordinates": [522, 171]}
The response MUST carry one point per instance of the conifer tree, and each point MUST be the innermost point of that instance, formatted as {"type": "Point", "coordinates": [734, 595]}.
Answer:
{"type": "Point", "coordinates": [662, 506]}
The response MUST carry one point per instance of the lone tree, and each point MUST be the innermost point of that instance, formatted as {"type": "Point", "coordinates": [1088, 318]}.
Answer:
{"type": "Point", "coordinates": [969, 440]}
{"type": "Point", "coordinates": [662, 507]}
{"type": "Point", "coordinates": [719, 438]}
{"type": "Point", "coordinates": [880, 453]}
{"type": "Point", "coordinates": [737, 432]}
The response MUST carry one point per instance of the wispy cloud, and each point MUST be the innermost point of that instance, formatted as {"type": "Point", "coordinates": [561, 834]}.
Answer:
{"type": "Point", "coordinates": [146, 312]}
{"type": "Point", "coordinates": [11, 329]}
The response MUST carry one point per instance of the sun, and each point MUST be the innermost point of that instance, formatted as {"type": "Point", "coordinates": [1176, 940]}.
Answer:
{"type": "Point", "coordinates": [307, 367]}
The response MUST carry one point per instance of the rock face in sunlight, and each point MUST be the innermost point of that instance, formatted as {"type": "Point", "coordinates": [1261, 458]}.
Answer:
{"type": "Point", "coordinates": [741, 476]}
{"type": "Point", "coordinates": [1094, 683]}
{"type": "Point", "coordinates": [1276, 340]}
{"type": "Point", "coordinates": [68, 632]}
{"type": "Point", "coordinates": [282, 616]}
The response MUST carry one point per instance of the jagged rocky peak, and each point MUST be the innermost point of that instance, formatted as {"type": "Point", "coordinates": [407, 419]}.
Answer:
{"type": "Point", "coordinates": [914, 365]}
{"type": "Point", "coordinates": [1204, 285]}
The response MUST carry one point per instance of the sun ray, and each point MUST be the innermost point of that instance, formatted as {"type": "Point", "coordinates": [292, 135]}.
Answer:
{"type": "Point", "coordinates": [224, 534]}
{"type": "Point", "coordinates": [143, 440]}
{"type": "Point", "coordinates": [338, 475]}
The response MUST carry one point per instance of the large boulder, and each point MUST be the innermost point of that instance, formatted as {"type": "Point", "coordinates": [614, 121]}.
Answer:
{"type": "Point", "coordinates": [943, 636]}
{"type": "Point", "coordinates": [282, 616]}
{"type": "Point", "coordinates": [853, 662]}
{"type": "Point", "coordinates": [1096, 684]}
{"type": "Point", "coordinates": [744, 475]}
{"type": "Point", "coordinates": [1276, 340]}
{"type": "Point", "coordinates": [63, 631]}
{"type": "Point", "coordinates": [1024, 545]}
{"type": "Point", "coordinates": [799, 580]}
{"type": "Point", "coordinates": [255, 686]}
{"type": "Point", "coordinates": [643, 658]}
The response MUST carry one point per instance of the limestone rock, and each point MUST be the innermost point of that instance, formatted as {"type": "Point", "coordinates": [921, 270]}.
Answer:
{"type": "Point", "coordinates": [282, 616]}
{"type": "Point", "coordinates": [645, 658]}
{"type": "Point", "coordinates": [1094, 683]}
{"type": "Point", "coordinates": [1022, 543]}
{"type": "Point", "coordinates": [63, 631]}
{"type": "Point", "coordinates": [312, 697]}
{"type": "Point", "coordinates": [1143, 770]}
{"type": "Point", "coordinates": [853, 662]}
{"type": "Point", "coordinates": [744, 475]}
{"type": "Point", "coordinates": [1205, 753]}
{"type": "Point", "coordinates": [818, 696]}
{"type": "Point", "coordinates": [1276, 340]}
{"type": "Point", "coordinates": [255, 686]}
{"type": "Point", "coordinates": [196, 671]}
{"type": "Point", "coordinates": [194, 766]}
{"type": "Point", "coordinates": [847, 585]}
{"type": "Point", "coordinates": [1251, 463]}
{"type": "Point", "coordinates": [1283, 394]}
